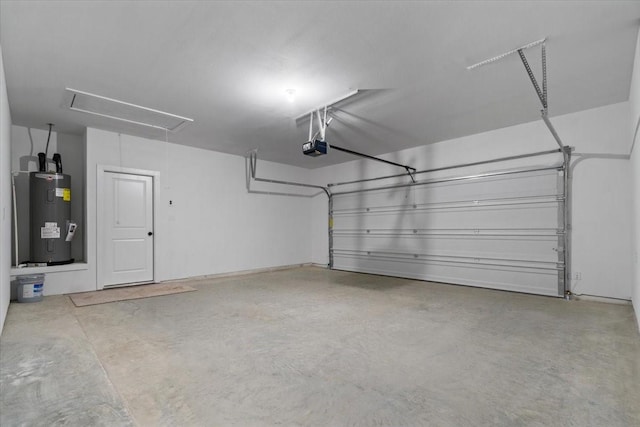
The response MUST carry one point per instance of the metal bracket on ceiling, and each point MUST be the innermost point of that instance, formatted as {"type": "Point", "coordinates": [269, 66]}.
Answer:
{"type": "Point", "coordinates": [321, 115]}
{"type": "Point", "coordinates": [329, 104]}
{"type": "Point", "coordinates": [541, 92]}
{"type": "Point", "coordinates": [323, 123]}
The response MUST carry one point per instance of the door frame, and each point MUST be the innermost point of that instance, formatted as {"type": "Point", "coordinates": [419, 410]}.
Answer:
{"type": "Point", "coordinates": [100, 232]}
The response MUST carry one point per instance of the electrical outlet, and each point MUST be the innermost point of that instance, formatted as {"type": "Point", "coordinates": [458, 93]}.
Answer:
{"type": "Point", "coordinates": [578, 275]}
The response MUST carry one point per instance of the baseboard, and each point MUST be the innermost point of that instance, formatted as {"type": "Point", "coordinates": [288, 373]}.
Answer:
{"type": "Point", "coordinates": [636, 312]}
{"type": "Point", "coordinates": [313, 264]}
{"type": "Point", "coordinates": [602, 299]}
{"type": "Point", "coordinates": [241, 272]}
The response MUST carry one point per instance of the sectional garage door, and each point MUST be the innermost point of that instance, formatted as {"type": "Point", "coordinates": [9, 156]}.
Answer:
{"type": "Point", "coordinates": [502, 230]}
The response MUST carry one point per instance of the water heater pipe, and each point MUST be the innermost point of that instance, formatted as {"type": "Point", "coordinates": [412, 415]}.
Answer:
{"type": "Point", "coordinates": [15, 212]}
{"type": "Point", "coordinates": [46, 150]}
{"type": "Point", "coordinates": [15, 216]}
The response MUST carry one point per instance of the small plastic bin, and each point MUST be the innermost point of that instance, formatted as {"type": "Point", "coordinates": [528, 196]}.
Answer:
{"type": "Point", "coordinates": [30, 287]}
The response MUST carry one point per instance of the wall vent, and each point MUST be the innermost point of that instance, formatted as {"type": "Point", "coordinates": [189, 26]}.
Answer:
{"type": "Point", "coordinates": [123, 111]}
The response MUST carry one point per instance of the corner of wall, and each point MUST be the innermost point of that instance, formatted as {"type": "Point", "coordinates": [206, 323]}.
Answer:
{"type": "Point", "coordinates": [634, 101]}
{"type": "Point", "coordinates": [5, 197]}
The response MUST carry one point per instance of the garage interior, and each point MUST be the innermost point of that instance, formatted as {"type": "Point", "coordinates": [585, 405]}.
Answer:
{"type": "Point", "coordinates": [389, 213]}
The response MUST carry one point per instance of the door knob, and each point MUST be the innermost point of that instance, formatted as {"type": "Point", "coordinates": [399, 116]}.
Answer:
{"type": "Point", "coordinates": [150, 233]}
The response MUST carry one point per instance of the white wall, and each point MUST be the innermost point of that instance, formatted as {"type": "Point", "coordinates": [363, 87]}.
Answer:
{"type": "Point", "coordinates": [601, 186]}
{"type": "Point", "coordinates": [5, 197]}
{"type": "Point", "coordinates": [213, 225]}
{"type": "Point", "coordinates": [634, 101]}
{"type": "Point", "coordinates": [26, 143]}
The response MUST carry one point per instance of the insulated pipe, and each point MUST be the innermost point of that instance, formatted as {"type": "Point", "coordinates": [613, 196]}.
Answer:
{"type": "Point", "coordinates": [58, 161]}
{"type": "Point", "coordinates": [42, 162]}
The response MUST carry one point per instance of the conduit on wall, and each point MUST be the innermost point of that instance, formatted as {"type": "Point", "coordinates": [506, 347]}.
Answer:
{"type": "Point", "coordinates": [252, 157]}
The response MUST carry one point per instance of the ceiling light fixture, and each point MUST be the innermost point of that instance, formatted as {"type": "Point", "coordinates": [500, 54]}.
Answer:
{"type": "Point", "coordinates": [291, 94]}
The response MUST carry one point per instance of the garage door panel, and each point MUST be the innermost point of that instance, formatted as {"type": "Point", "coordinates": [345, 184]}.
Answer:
{"type": "Point", "coordinates": [531, 248]}
{"type": "Point", "coordinates": [528, 216]}
{"type": "Point", "coordinates": [536, 281]}
{"type": "Point", "coordinates": [503, 232]}
{"type": "Point", "coordinates": [538, 184]}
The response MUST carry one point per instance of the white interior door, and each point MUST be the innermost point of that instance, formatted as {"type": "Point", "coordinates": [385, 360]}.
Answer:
{"type": "Point", "coordinates": [127, 246]}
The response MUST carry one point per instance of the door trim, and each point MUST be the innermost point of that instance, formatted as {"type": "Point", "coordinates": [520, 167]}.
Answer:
{"type": "Point", "coordinates": [100, 182]}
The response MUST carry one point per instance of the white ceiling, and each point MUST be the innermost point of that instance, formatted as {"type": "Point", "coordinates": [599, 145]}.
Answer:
{"type": "Point", "coordinates": [227, 66]}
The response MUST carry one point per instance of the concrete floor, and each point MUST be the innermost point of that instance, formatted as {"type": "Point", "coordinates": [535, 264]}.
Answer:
{"type": "Point", "coordinates": [312, 347]}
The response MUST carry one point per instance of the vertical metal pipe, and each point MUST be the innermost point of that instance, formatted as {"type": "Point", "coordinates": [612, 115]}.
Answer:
{"type": "Point", "coordinates": [567, 220]}
{"type": "Point", "coordinates": [330, 231]}
{"type": "Point", "coordinates": [15, 216]}
{"type": "Point", "coordinates": [544, 76]}
{"type": "Point", "coordinates": [561, 231]}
